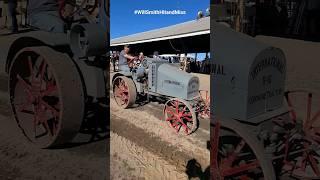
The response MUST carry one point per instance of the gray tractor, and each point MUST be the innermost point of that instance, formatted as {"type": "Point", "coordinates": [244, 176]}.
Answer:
{"type": "Point", "coordinates": [56, 78]}
{"type": "Point", "coordinates": [161, 81]}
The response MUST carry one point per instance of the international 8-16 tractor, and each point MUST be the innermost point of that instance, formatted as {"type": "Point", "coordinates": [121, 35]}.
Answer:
{"type": "Point", "coordinates": [259, 130]}
{"type": "Point", "coordinates": [161, 81]}
{"type": "Point", "coordinates": [55, 78]}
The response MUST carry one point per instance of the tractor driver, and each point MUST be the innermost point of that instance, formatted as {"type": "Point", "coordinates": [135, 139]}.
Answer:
{"type": "Point", "coordinates": [44, 15]}
{"type": "Point", "coordinates": [125, 59]}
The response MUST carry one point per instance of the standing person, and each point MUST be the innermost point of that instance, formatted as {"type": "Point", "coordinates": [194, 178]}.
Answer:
{"type": "Point", "coordinates": [156, 55]}
{"type": "Point", "coordinates": [125, 59]}
{"type": "Point", "coordinates": [113, 60]}
{"type": "Point", "coordinates": [311, 20]}
{"type": "Point", "coordinates": [141, 56]}
{"type": "Point", "coordinates": [12, 8]}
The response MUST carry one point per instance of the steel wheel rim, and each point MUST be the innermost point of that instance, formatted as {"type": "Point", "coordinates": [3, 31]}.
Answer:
{"type": "Point", "coordinates": [35, 98]}
{"type": "Point", "coordinates": [227, 163]}
{"type": "Point", "coordinates": [179, 116]}
{"type": "Point", "coordinates": [121, 92]}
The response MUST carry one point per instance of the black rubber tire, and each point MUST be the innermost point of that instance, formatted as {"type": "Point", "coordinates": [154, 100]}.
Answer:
{"type": "Point", "coordinates": [70, 89]}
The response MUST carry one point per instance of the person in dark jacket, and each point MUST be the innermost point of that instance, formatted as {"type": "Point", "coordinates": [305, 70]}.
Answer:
{"type": "Point", "coordinates": [12, 8]}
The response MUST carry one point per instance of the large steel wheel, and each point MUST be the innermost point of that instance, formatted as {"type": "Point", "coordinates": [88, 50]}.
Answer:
{"type": "Point", "coordinates": [180, 115]}
{"type": "Point", "coordinates": [46, 96]}
{"type": "Point", "coordinates": [124, 91]}
{"type": "Point", "coordinates": [236, 154]}
{"type": "Point", "coordinates": [302, 136]}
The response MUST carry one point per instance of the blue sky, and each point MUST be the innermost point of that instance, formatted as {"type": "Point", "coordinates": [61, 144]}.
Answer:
{"type": "Point", "coordinates": [125, 22]}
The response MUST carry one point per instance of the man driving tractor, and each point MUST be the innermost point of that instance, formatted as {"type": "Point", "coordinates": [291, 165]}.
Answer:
{"type": "Point", "coordinates": [46, 14]}
{"type": "Point", "coordinates": [125, 59]}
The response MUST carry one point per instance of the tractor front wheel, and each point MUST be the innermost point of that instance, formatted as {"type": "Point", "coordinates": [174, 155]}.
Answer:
{"type": "Point", "coordinates": [180, 115]}
{"type": "Point", "coordinates": [237, 154]}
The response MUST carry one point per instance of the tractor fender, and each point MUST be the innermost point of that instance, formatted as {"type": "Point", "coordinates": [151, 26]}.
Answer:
{"type": "Point", "coordinates": [12, 44]}
{"type": "Point", "coordinates": [127, 74]}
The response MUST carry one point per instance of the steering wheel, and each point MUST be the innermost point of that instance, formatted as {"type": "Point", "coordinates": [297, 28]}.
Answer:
{"type": "Point", "coordinates": [144, 63]}
{"type": "Point", "coordinates": [76, 9]}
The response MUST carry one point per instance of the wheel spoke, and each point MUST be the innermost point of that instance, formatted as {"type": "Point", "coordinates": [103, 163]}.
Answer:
{"type": "Point", "coordinates": [240, 146]}
{"type": "Point", "coordinates": [240, 168]}
{"type": "Point", "coordinates": [186, 127]}
{"type": "Point", "coordinates": [30, 66]}
{"type": "Point", "coordinates": [51, 87]}
{"type": "Point", "coordinates": [22, 107]}
{"type": "Point", "coordinates": [46, 126]}
{"type": "Point", "coordinates": [184, 110]}
{"type": "Point", "coordinates": [316, 138]}
{"type": "Point", "coordinates": [315, 117]}
{"type": "Point", "coordinates": [314, 165]}
{"type": "Point", "coordinates": [26, 85]}
{"type": "Point", "coordinates": [42, 67]}
{"type": "Point", "coordinates": [307, 122]}
{"type": "Point", "coordinates": [178, 127]}
{"type": "Point", "coordinates": [244, 177]}
{"type": "Point", "coordinates": [52, 109]}
{"type": "Point", "coordinates": [170, 118]}
{"type": "Point", "coordinates": [188, 119]}
{"type": "Point", "coordinates": [215, 144]}
{"type": "Point", "coordinates": [170, 112]}
{"type": "Point", "coordinates": [292, 111]}
{"type": "Point", "coordinates": [187, 115]}
{"type": "Point", "coordinates": [177, 106]}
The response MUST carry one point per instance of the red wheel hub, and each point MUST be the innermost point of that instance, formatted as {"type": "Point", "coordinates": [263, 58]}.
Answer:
{"type": "Point", "coordinates": [39, 90]}
{"type": "Point", "coordinates": [121, 92]}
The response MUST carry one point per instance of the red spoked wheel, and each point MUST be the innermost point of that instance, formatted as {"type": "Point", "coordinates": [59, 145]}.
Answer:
{"type": "Point", "coordinates": [236, 154]}
{"type": "Point", "coordinates": [204, 110]}
{"type": "Point", "coordinates": [124, 91]}
{"type": "Point", "coordinates": [45, 92]}
{"type": "Point", "coordinates": [180, 115]}
{"type": "Point", "coordinates": [302, 138]}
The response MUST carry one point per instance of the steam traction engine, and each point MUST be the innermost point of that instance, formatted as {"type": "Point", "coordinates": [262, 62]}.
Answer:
{"type": "Point", "coordinates": [255, 132]}
{"type": "Point", "coordinates": [163, 82]}
{"type": "Point", "coordinates": [54, 78]}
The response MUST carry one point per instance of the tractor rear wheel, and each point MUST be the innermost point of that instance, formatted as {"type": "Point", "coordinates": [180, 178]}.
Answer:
{"type": "Point", "coordinates": [124, 92]}
{"type": "Point", "coordinates": [46, 96]}
{"type": "Point", "coordinates": [180, 115]}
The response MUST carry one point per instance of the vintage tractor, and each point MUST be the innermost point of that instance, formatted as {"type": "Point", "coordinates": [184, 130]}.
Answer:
{"type": "Point", "coordinates": [258, 129]}
{"type": "Point", "coordinates": [162, 81]}
{"type": "Point", "coordinates": [55, 78]}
